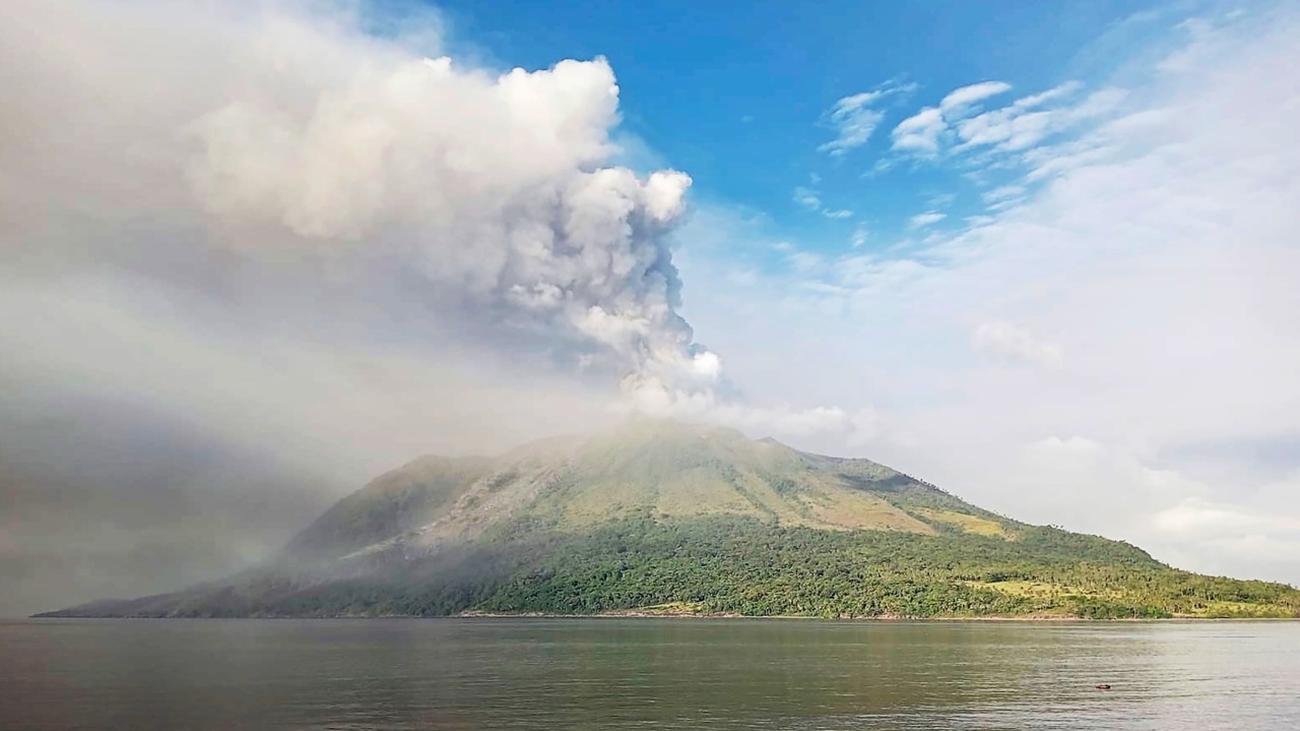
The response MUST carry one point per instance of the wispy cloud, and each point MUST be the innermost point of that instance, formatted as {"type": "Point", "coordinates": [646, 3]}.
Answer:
{"type": "Point", "coordinates": [961, 97]}
{"type": "Point", "coordinates": [1033, 137]}
{"type": "Point", "coordinates": [1003, 193]}
{"type": "Point", "coordinates": [854, 118]}
{"type": "Point", "coordinates": [1003, 196]}
{"type": "Point", "coordinates": [808, 198]}
{"type": "Point", "coordinates": [929, 218]}
{"type": "Point", "coordinates": [1023, 125]}
{"type": "Point", "coordinates": [957, 124]}
{"type": "Point", "coordinates": [811, 199]}
{"type": "Point", "coordinates": [805, 261]}
{"type": "Point", "coordinates": [921, 133]}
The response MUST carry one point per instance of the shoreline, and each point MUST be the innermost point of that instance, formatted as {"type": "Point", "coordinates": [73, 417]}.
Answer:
{"type": "Point", "coordinates": [632, 614]}
{"type": "Point", "coordinates": [698, 616]}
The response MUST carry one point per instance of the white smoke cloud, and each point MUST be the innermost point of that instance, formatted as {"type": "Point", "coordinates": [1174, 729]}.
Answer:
{"type": "Point", "coordinates": [492, 187]}
{"type": "Point", "coordinates": [272, 135]}
{"type": "Point", "coordinates": [318, 245]}
{"type": "Point", "coordinates": [282, 171]}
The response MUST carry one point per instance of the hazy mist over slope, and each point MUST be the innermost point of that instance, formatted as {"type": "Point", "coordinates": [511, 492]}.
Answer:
{"type": "Point", "coordinates": [659, 516]}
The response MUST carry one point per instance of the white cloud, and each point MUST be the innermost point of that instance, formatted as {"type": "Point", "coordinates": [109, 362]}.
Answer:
{"type": "Point", "coordinates": [1075, 445]}
{"type": "Point", "coordinates": [1059, 91]}
{"type": "Point", "coordinates": [920, 132]}
{"type": "Point", "coordinates": [804, 261]}
{"type": "Point", "coordinates": [921, 220]}
{"type": "Point", "coordinates": [1010, 343]}
{"type": "Point", "coordinates": [1003, 194]}
{"type": "Point", "coordinates": [959, 98]}
{"type": "Point", "coordinates": [879, 167]}
{"type": "Point", "coordinates": [923, 132]}
{"type": "Point", "coordinates": [1207, 520]}
{"type": "Point", "coordinates": [1018, 127]}
{"type": "Point", "coordinates": [940, 200]}
{"type": "Point", "coordinates": [1021, 125]}
{"type": "Point", "coordinates": [1003, 197]}
{"type": "Point", "coordinates": [807, 198]}
{"type": "Point", "coordinates": [811, 199]}
{"type": "Point", "coordinates": [854, 118]}
{"type": "Point", "coordinates": [783, 421]}
{"type": "Point", "coordinates": [493, 194]}
{"type": "Point", "coordinates": [1051, 160]}
{"type": "Point", "coordinates": [854, 121]}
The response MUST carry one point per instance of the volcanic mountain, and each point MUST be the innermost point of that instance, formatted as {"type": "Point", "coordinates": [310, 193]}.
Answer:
{"type": "Point", "coordinates": [660, 517]}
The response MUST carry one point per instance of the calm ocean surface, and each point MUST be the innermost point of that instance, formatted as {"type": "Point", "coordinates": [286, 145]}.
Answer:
{"type": "Point", "coordinates": [646, 673]}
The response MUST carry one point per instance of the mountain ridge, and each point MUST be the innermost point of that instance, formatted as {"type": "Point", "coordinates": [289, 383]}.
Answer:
{"type": "Point", "coordinates": [698, 518]}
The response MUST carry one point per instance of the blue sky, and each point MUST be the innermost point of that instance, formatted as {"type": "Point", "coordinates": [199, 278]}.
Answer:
{"type": "Point", "coordinates": [739, 95]}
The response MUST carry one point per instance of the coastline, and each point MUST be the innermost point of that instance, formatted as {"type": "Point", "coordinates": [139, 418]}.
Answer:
{"type": "Point", "coordinates": [1034, 618]}
{"type": "Point", "coordinates": [698, 616]}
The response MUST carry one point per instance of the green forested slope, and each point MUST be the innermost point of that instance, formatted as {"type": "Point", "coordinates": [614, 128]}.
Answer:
{"type": "Point", "coordinates": [665, 518]}
{"type": "Point", "coordinates": [742, 567]}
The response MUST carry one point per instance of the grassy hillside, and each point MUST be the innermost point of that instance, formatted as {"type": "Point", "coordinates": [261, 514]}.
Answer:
{"type": "Point", "coordinates": [743, 567]}
{"type": "Point", "coordinates": [662, 469]}
{"type": "Point", "coordinates": [661, 517]}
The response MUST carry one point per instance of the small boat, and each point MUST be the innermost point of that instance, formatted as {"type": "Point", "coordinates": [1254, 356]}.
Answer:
{"type": "Point", "coordinates": [1103, 686]}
